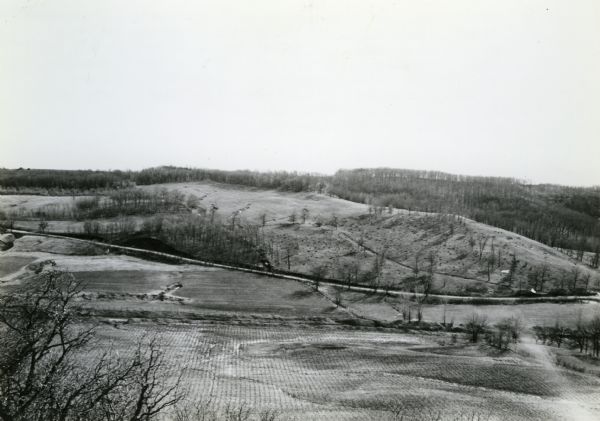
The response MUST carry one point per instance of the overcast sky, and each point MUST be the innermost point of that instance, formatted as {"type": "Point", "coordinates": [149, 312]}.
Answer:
{"type": "Point", "coordinates": [506, 88]}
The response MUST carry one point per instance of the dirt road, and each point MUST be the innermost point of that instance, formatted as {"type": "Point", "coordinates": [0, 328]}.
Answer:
{"type": "Point", "coordinates": [577, 407]}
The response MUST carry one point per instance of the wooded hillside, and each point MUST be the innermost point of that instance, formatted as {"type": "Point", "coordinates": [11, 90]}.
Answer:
{"type": "Point", "coordinates": [559, 216]}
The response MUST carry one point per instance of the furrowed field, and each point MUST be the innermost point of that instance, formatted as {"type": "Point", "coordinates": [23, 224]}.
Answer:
{"type": "Point", "coordinates": [308, 372]}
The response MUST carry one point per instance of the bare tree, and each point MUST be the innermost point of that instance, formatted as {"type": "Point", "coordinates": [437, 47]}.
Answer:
{"type": "Point", "coordinates": [444, 315]}
{"type": "Point", "coordinates": [290, 249]}
{"type": "Point", "coordinates": [43, 225]}
{"type": "Point", "coordinates": [543, 273]}
{"type": "Point", "coordinates": [534, 276]}
{"type": "Point", "coordinates": [595, 261]}
{"type": "Point", "coordinates": [575, 272]}
{"type": "Point", "coordinates": [490, 261]}
{"type": "Point", "coordinates": [351, 272]}
{"type": "Point", "coordinates": [475, 326]}
{"type": "Point", "coordinates": [209, 411]}
{"type": "Point", "coordinates": [558, 333]}
{"type": "Point", "coordinates": [416, 268]}
{"type": "Point", "coordinates": [586, 280]}
{"type": "Point", "coordinates": [512, 271]}
{"type": "Point", "coordinates": [42, 373]}
{"type": "Point", "coordinates": [420, 298]}
{"type": "Point", "coordinates": [319, 272]}
{"type": "Point", "coordinates": [481, 243]}
{"type": "Point", "coordinates": [361, 243]}
{"type": "Point", "coordinates": [505, 332]}
{"type": "Point", "coordinates": [377, 270]}
{"type": "Point", "coordinates": [472, 242]}
{"type": "Point", "coordinates": [431, 266]}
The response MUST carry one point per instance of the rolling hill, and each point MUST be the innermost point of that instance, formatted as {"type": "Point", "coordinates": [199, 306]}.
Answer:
{"type": "Point", "coordinates": [341, 239]}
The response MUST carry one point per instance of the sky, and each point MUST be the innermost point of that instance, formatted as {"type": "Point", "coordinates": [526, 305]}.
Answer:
{"type": "Point", "coordinates": [499, 88]}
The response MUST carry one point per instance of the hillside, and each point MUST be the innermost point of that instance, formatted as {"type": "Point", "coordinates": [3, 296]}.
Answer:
{"type": "Point", "coordinates": [559, 216]}
{"type": "Point", "coordinates": [339, 235]}
{"type": "Point", "coordinates": [318, 234]}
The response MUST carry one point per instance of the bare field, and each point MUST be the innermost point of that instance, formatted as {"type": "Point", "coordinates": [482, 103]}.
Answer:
{"type": "Point", "coordinates": [197, 289]}
{"type": "Point", "coordinates": [319, 373]}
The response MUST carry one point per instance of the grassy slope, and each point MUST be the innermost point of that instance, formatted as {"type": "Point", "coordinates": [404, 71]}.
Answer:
{"type": "Point", "coordinates": [254, 202]}
{"type": "Point", "coordinates": [405, 234]}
